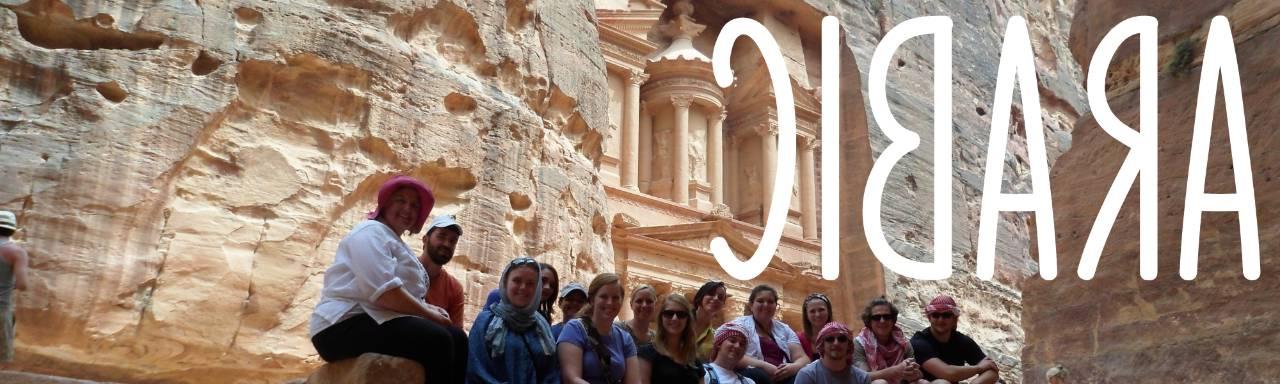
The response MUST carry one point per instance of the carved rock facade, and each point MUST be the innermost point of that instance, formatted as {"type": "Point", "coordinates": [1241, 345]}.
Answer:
{"type": "Point", "coordinates": [184, 170]}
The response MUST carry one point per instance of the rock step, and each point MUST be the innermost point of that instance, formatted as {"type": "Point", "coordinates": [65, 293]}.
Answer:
{"type": "Point", "coordinates": [370, 368]}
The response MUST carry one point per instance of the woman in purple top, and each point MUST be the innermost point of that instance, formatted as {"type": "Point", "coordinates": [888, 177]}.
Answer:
{"type": "Point", "coordinates": [592, 349]}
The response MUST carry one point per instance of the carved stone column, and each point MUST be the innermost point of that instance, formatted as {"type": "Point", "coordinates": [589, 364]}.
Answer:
{"type": "Point", "coordinates": [732, 171]}
{"type": "Point", "coordinates": [808, 190]}
{"type": "Point", "coordinates": [768, 164]}
{"type": "Point", "coordinates": [646, 147]}
{"type": "Point", "coordinates": [631, 130]}
{"type": "Point", "coordinates": [715, 156]}
{"type": "Point", "coordinates": [680, 176]}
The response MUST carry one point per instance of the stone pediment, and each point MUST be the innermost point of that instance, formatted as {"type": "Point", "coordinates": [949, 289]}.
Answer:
{"type": "Point", "coordinates": [694, 240]}
{"type": "Point", "coordinates": [636, 21]}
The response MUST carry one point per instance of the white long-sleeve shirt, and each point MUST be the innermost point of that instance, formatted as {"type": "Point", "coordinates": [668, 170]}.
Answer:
{"type": "Point", "coordinates": [782, 335]}
{"type": "Point", "coordinates": [371, 260]}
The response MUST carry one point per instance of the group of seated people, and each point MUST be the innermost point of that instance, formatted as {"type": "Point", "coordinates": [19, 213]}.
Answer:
{"type": "Point", "coordinates": [380, 297]}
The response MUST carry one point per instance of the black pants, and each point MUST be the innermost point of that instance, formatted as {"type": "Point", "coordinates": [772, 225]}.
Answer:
{"type": "Point", "coordinates": [760, 377]}
{"type": "Point", "coordinates": [441, 350]}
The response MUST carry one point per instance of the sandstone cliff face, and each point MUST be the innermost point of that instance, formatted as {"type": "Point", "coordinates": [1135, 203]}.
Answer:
{"type": "Point", "coordinates": [993, 309]}
{"type": "Point", "coordinates": [184, 170]}
{"type": "Point", "coordinates": [1117, 327]}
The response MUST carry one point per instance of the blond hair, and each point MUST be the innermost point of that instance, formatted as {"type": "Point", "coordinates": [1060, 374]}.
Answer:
{"type": "Point", "coordinates": [687, 349]}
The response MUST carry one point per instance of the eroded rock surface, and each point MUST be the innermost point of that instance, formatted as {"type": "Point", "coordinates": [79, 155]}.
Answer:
{"type": "Point", "coordinates": [993, 309]}
{"type": "Point", "coordinates": [1117, 327]}
{"type": "Point", "coordinates": [184, 170]}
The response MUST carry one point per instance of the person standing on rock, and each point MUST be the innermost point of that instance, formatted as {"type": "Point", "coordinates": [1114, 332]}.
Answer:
{"type": "Point", "coordinates": [944, 352]}
{"type": "Point", "coordinates": [510, 341]}
{"type": "Point", "coordinates": [13, 275]}
{"type": "Point", "coordinates": [372, 295]}
{"type": "Point", "coordinates": [437, 250]}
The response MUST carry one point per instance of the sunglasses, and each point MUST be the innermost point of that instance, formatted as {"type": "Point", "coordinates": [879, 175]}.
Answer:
{"type": "Point", "coordinates": [885, 317]}
{"type": "Point", "coordinates": [670, 314]}
{"type": "Point", "coordinates": [942, 315]}
{"type": "Point", "coordinates": [838, 339]}
{"type": "Point", "coordinates": [523, 261]}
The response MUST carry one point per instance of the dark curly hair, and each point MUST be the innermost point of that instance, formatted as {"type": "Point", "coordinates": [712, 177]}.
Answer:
{"type": "Point", "coordinates": [866, 312]}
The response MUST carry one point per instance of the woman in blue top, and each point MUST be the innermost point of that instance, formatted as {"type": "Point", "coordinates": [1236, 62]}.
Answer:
{"type": "Point", "coordinates": [512, 342]}
{"type": "Point", "coordinates": [592, 349]}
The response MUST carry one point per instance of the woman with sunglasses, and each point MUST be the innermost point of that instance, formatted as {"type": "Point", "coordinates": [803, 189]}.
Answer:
{"type": "Point", "coordinates": [817, 313]}
{"type": "Point", "coordinates": [882, 349]}
{"type": "Point", "coordinates": [372, 295]}
{"type": "Point", "coordinates": [774, 354]}
{"type": "Point", "coordinates": [643, 299]}
{"type": "Point", "coordinates": [594, 350]}
{"type": "Point", "coordinates": [834, 344]}
{"type": "Point", "coordinates": [511, 341]}
{"type": "Point", "coordinates": [672, 357]}
{"type": "Point", "coordinates": [708, 305]}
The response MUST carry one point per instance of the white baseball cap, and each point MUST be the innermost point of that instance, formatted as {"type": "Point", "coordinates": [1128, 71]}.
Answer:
{"type": "Point", "coordinates": [568, 289]}
{"type": "Point", "coordinates": [445, 221]}
{"type": "Point", "coordinates": [8, 221]}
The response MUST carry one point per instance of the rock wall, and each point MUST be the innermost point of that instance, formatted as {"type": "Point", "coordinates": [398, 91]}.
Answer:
{"type": "Point", "coordinates": [1118, 327]}
{"type": "Point", "coordinates": [993, 309]}
{"type": "Point", "coordinates": [184, 170]}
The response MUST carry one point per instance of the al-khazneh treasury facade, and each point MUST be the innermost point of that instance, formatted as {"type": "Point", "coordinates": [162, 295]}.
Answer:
{"type": "Point", "coordinates": [686, 161]}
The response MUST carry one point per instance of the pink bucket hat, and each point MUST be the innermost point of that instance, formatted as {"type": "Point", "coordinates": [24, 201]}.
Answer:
{"type": "Point", "coordinates": [942, 303]}
{"type": "Point", "coordinates": [426, 200]}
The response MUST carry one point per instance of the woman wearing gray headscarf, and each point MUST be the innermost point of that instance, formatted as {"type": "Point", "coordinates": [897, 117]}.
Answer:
{"type": "Point", "coordinates": [511, 342]}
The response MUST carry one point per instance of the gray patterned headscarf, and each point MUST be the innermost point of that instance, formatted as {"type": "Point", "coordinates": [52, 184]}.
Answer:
{"type": "Point", "coordinates": [522, 319]}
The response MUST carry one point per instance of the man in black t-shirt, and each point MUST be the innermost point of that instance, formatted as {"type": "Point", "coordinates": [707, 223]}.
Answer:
{"type": "Point", "coordinates": [945, 354]}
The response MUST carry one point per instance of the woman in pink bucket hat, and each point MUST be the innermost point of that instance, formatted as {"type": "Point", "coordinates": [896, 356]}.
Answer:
{"type": "Point", "coordinates": [372, 295]}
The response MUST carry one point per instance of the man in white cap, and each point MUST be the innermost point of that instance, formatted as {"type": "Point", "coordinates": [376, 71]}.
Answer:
{"type": "Point", "coordinates": [437, 250]}
{"type": "Point", "coordinates": [13, 274]}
